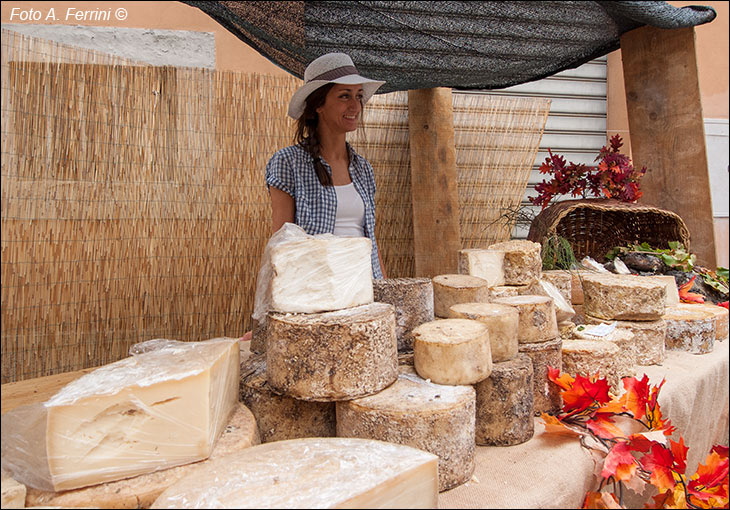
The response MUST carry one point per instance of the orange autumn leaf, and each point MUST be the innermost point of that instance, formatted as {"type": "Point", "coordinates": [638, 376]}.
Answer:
{"type": "Point", "coordinates": [585, 393]}
{"type": "Point", "coordinates": [659, 462]}
{"type": "Point", "coordinates": [619, 463]}
{"type": "Point", "coordinates": [602, 426]}
{"type": "Point", "coordinates": [565, 381]}
{"type": "Point", "coordinates": [685, 296]}
{"type": "Point", "coordinates": [711, 477]}
{"type": "Point", "coordinates": [679, 452]}
{"type": "Point", "coordinates": [555, 426]}
{"type": "Point", "coordinates": [636, 396]}
{"type": "Point", "coordinates": [600, 500]}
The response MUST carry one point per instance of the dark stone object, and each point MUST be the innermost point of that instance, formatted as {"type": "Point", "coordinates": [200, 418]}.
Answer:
{"type": "Point", "coordinates": [644, 262]}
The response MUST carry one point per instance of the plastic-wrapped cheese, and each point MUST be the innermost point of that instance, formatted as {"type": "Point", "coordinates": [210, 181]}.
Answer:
{"type": "Point", "coordinates": [486, 264]}
{"type": "Point", "coordinates": [432, 417]}
{"type": "Point", "coordinates": [624, 340]}
{"type": "Point", "coordinates": [502, 321]}
{"type": "Point", "coordinates": [690, 329]}
{"type": "Point", "coordinates": [280, 417]}
{"type": "Point", "coordinates": [563, 281]}
{"type": "Point", "coordinates": [452, 351]}
{"type": "Point", "coordinates": [413, 302]}
{"type": "Point", "coordinates": [451, 289]}
{"type": "Point", "coordinates": [588, 357]}
{"type": "Point", "coordinates": [141, 491]}
{"type": "Point", "coordinates": [538, 322]}
{"type": "Point", "coordinates": [649, 338]}
{"type": "Point", "coordinates": [329, 472]}
{"type": "Point", "coordinates": [546, 395]}
{"type": "Point", "coordinates": [505, 404]}
{"type": "Point", "coordinates": [623, 297]}
{"type": "Point", "coordinates": [333, 355]}
{"type": "Point", "coordinates": [144, 413]}
{"type": "Point", "coordinates": [522, 261]}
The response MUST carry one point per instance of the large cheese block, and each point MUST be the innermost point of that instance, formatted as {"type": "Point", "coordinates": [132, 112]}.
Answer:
{"type": "Point", "coordinates": [13, 492]}
{"type": "Point", "coordinates": [649, 338]}
{"type": "Point", "coordinates": [413, 302]}
{"type": "Point", "coordinates": [331, 356]}
{"type": "Point", "coordinates": [141, 491]}
{"type": "Point", "coordinates": [590, 357]}
{"type": "Point", "coordinates": [670, 285]}
{"type": "Point", "coordinates": [431, 417]}
{"type": "Point", "coordinates": [505, 404]}
{"type": "Point", "coordinates": [538, 322]}
{"type": "Point", "coordinates": [144, 413]}
{"type": "Point", "coordinates": [545, 355]}
{"type": "Point", "coordinates": [312, 473]}
{"type": "Point", "coordinates": [563, 281]}
{"type": "Point", "coordinates": [721, 317]}
{"type": "Point", "coordinates": [451, 289]}
{"type": "Point", "coordinates": [690, 329]}
{"type": "Point", "coordinates": [502, 322]}
{"type": "Point", "coordinates": [486, 264]}
{"type": "Point", "coordinates": [623, 297]}
{"type": "Point", "coordinates": [522, 261]}
{"type": "Point", "coordinates": [623, 338]}
{"type": "Point", "coordinates": [452, 351]}
{"type": "Point", "coordinates": [280, 417]}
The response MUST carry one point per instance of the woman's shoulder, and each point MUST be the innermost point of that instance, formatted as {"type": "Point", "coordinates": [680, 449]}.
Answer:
{"type": "Point", "coordinates": [293, 152]}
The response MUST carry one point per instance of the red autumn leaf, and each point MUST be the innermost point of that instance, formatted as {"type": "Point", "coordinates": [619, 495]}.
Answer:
{"type": "Point", "coordinates": [679, 452]}
{"type": "Point", "coordinates": [720, 450]}
{"type": "Point", "coordinates": [723, 304]}
{"type": "Point", "coordinates": [584, 394]}
{"type": "Point", "coordinates": [711, 474]}
{"type": "Point", "coordinates": [565, 381]}
{"type": "Point", "coordinates": [659, 462]}
{"type": "Point", "coordinates": [619, 463]}
{"type": "Point", "coordinates": [685, 296]}
{"type": "Point", "coordinates": [640, 443]}
{"type": "Point", "coordinates": [636, 396]}
{"type": "Point", "coordinates": [600, 500]}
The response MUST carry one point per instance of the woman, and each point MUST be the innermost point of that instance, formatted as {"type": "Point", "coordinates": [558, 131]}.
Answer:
{"type": "Point", "coordinates": [320, 183]}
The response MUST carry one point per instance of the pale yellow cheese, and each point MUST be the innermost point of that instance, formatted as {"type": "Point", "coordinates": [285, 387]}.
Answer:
{"type": "Point", "coordinates": [690, 329]}
{"type": "Point", "coordinates": [452, 351]}
{"type": "Point", "coordinates": [538, 322]}
{"type": "Point", "coordinates": [486, 264]}
{"type": "Point", "coordinates": [451, 289]}
{"type": "Point", "coordinates": [721, 317]}
{"type": "Point", "coordinates": [563, 281]}
{"type": "Point", "coordinates": [589, 357]}
{"type": "Point", "coordinates": [312, 473]}
{"type": "Point", "coordinates": [502, 291]}
{"type": "Point", "coordinates": [670, 284]}
{"type": "Point", "coordinates": [144, 413]}
{"type": "Point", "coordinates": [502, 321]}
{"type": "Point", "coordinates": [522, 261]}
{"type": "Point", "coordinates": [418, 413]}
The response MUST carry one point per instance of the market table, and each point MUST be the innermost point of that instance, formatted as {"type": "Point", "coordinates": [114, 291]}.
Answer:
{"type": "Point", "coordinates": [548, 471]}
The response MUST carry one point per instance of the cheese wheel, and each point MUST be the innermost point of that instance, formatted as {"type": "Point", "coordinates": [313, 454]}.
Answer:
{"type": "Point", "coordinates": [588, 357]}
{"type": "Point", "coordinates": [502, 321]}
{"type": "Point", "coordinates": [690, 329]}
{"type": "Point", "coordinates": [624, 340]}
{"type": "Point", "coordinates": [413, 302]}
{"type": "Point", "coordinates": [563, 281]}
{"type": "Point", "coordinates": [451, 289]}
{"type": "Point", "coordinates": [538, 322]}
{"type": "Point", "coordinates": [452, 351]}
{"type": "Point", "coordinates": [623, 297]}
{"type": "Point", "coordinates": [649, 338]}
{"type": "Point", "coordinates": [546, 394]}
{"type": "Point", "coordinates": [522, 261]}
{"type": "Point", "coordinates": [502, 291]}
{"type": "Point", "coordinates": [330, 472]}
{"type": "Point", "coordinates": [141, 491]}
{"type": "Point", "coordinates": [505, 404]}
{"type": "Point", "coordinates": [670, 285]}
{"type": "Point", "coordinates": [330, 356]}
{"type": "Point", "coordinates": [258, 336]}
{"type": "Point", "coordinates": [486, 264]}
{"type": "Point", "coordinates": [280, 417]}
{"type": "Point", "coordinates": [431, 417]}
{"type": "Point", "coordinates": [720, 313]}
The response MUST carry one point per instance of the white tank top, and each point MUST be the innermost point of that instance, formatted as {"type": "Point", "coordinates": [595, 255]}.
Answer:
{"type": "Point", "coordinates": [350, 216]}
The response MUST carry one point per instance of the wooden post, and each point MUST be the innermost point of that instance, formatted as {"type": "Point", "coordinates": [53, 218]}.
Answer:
{"type": "Point", "coordinates": [667, 128]}
{"type": "Point", "coordinates": [434, 193]}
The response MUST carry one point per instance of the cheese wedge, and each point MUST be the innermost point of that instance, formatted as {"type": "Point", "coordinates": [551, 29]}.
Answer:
{"type": "Point", "coordinates": [522, 261]}
{"type": "Point", "coordinates": [486, 264]}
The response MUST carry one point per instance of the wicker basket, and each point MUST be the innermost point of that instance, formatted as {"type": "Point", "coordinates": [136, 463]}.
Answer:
{"type": "Point", "coordinates": [595, 226]}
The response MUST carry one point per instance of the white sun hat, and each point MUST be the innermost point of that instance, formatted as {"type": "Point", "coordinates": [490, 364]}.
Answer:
{"type": "Point", "coordinates": [330, 68]}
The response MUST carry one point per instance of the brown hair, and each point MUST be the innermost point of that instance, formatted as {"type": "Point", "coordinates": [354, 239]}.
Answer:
{"type": "Point", "coordinates": [306, 131]}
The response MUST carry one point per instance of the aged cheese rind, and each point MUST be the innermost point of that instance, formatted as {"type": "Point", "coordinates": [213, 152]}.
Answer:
{"type": "Point", "coordinates": [451, 289]}
{"type": "Point", "coordinates": [670, 285]}
{"type": "Point", "coordinates": [452, 351]}
{"type": "Point", "coordinates": [280, 417]}
{"type": "Point", "coordinates": [258, 336]}
{"type": "Point", "coordinates": [333, 355]}
{"type": "Point", "coordinates": [649, 338]}
{"type": "Point", "coordinates": [588, 357]}
{"type": "Point", "coordinates": [432, 417]}
{"type": "Point", "coordinates": [486, 264]}
{"type": "Point", "coordinates": [141, 491]}
{"type": "Point", "coordinates": [563, 281]}
{"type": "Point", "coordinates": [576, 285]}
{"type": "Point", "coordinates": [144, 413]}
{"type": "Point", "coordinates": [13, 492]}
{"type": "Point", "coordinates": [505, 404]}
{"type": "Point", "coordinates": [546, 395]}
{"type": "Point", "coordinates": [502, 321]}
{"type": "Point", "coordinates": [413, 302]}
{"type": "Point", "coordinates": [624, 340]}
{"type": "Point", "coordinates": [690, 329]}
{"type": "Point", "coordinates": [312, 473]}
{"type": "Point", "coordinates": [721, 316]}
{"type": "Point", "coordinates": [522, 261]}
{"type": "Point", "coordinates": [623, 297]}
{"type": "Point", "coordinates": [538, 322]}
{"type": "Point", "coordinates": [501, 291]}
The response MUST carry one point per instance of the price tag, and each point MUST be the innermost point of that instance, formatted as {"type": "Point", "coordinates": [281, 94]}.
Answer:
{"type": "Point", "coordinates": [601, 329]}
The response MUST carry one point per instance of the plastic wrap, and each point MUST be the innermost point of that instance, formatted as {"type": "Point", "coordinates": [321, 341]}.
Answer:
{"type": "Point", "coordinates": [563, 310]}
{"type": "Point", "coordinates": [301, 273]}
{"type": "Point", "coordinates": [151, 411]}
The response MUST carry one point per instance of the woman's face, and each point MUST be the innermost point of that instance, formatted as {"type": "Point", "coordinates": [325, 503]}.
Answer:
{"type": "Point", "coordinates": [342, 107]}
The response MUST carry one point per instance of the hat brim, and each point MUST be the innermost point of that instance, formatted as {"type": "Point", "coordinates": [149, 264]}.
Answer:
{"type": "Point", "coordinates": [296, 104]}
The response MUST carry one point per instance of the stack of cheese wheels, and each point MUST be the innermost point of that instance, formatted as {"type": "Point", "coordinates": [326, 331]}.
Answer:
{"type": "Point", "coordinates": [413, 302]}
{"type": "Point", "coordinates": [649, 338]}
{"type": "Point", "coordinates": [432, 417]}
{"type": "Point", "coordinates": [624, 340]}
{"type": "Point", "coordinates": [590, 357]}
{"type": "Point", "coordinates": [280, 417]}
{"type": "Point", "coordinates": [522, 261]}
{"type": "Point", "coordinates": [502, 322]}
{"type": "Point", "coordinates": [451, 289]}
{"type": "Point", "coordinates": [330, 356]}
{"type": "Point", "coordinates": [452, 351]}
{"type": "Point", "coordinates": [623, 297]}
{"type": "Point", "coordinates": [690, 329]}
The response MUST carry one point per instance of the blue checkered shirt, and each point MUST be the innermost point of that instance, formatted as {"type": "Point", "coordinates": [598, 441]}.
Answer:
{"type": "Point", "coordinates": [291, 170]}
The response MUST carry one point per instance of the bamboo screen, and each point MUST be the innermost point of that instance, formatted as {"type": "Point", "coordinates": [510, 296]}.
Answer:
{"type": "Point", "coordinates": [134, 204]}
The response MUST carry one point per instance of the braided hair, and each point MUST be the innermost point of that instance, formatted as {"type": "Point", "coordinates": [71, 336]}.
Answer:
{"type": "Point", "coordinates": [306, 131]}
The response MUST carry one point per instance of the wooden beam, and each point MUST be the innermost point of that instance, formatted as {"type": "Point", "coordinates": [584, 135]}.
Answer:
{"type": "Point", "coordinates": [434, 192]}
{"type": "Point", "coordinates": [667, 128]}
